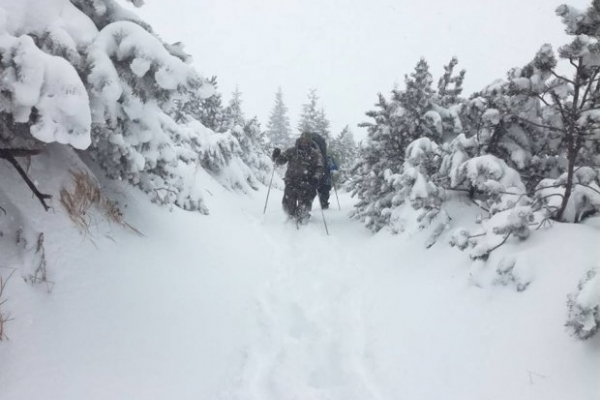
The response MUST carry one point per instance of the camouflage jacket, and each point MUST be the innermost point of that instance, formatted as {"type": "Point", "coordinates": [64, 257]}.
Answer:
{"type": "Point", "coordinates": [304, 165]}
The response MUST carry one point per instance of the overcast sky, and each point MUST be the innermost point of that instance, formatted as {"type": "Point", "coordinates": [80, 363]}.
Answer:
{"type": "Point", "coordinates": [349, 50]}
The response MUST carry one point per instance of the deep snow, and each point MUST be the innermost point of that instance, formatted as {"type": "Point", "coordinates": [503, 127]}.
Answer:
{"type": "Point", "coordinates": [241, 305]}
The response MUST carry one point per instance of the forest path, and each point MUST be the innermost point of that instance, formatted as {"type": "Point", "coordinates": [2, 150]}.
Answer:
{"type": "Point", "coordinates": [310, 338]}
{"type": "Point", "coordinates": [243, 306]}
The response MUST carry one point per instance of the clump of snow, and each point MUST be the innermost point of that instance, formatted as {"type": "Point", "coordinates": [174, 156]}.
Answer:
{"type": "Point", "coordinates": [32, 78]}
{"type": "Point", "coordinates": [491, 116]}
{"type": "Point", "coordinates": [585, 195]}
{"type": "Point", "coordinates": [584, 307]}
{"type": "Point", "coordinates": [514, 271]}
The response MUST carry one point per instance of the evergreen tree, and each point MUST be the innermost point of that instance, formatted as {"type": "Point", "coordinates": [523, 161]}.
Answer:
{"type": "Point", "coordinates": [310, 113]}
{"type": "Point", "coordinates": [449, 85]}
{"type": "Point", "coordinates": [210, 110]}
{"type": "Point", "coordinates": [113, 88]}
{"type": "Point", "coordinates": [414, 113]}
{"type": "Point", "coordinates": [251, 141]}
{"type": "Point", "coordinates": [381, 156]}
{"type": "Point", "coordinates": [343, 149]}
{"type": "Point", "coordinates": [234, 116]}
{"type": "Point", "coordinates": [322, 125]}
{"type": "Point", "coordinates": [253, 152]}
{"type": "Point", "coordinates": [278, 127]}
{"type": "Point", "coordinates": [415, 102]}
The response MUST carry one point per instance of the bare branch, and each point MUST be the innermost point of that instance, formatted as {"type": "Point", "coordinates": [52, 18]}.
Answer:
{"type": "Point", "coordinates": [588, 88]}
{"type": "Point", "coordinates": [8, 155]}
{"type": "Point", "coordinates": [539, 125]}
{"type": "Point", "coordinates": [562, 77]}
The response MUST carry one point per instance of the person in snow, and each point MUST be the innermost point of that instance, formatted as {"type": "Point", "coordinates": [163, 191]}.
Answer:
{"type": "Point", "coordinates": [324, 186]}
{"type": "Point", "coordinates": [305, 171]}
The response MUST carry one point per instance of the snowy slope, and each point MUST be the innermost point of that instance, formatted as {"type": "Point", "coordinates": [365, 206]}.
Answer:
{"type": "Point", "coordinates": [237, 305]}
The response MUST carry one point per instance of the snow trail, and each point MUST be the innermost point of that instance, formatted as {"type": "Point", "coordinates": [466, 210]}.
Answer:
{"type": "Point", "coordinates": [238, 306]}
{"type": "Point", "coordinates": [310, 342]}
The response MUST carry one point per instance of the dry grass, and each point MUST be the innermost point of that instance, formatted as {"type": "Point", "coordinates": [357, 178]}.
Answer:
{"type": "Point", "coordinates": [4, 317]}
{"type": "Point", "coordinates": [85, 195]}
{"type": "Point", "coordinates": [40, 275]}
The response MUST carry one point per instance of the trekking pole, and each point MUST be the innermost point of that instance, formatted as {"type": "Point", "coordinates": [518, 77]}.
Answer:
{"type": "Point", "coordinates": [323, 215]}
{"type": "Point", "coordinates": [336, 195]}
{"type": "Point", "coordinates": [269, 191]}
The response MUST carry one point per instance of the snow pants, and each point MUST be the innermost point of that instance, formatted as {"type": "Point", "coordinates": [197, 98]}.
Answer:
{"type": "Point", "coordinates": [324, 190]}
{"type": "Point", "coordinates": [297, 198]}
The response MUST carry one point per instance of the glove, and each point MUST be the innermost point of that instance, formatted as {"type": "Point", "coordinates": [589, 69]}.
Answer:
{"type": "Point", "coordinates": [276, 153]}
{"type": "Point", "coordinates": [314, 181]}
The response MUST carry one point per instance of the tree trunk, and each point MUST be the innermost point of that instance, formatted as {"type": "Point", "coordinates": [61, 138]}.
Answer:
{"type": "Point", "coordinates": [572, 155]}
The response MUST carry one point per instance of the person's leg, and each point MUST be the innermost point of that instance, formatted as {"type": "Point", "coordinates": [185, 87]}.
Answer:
{"type": "Point", "coordinates": [306, 196]}
{"type": "Point", "coordinates": [324, 191]}
{"type": "Point", "coordinates": [290, 200]}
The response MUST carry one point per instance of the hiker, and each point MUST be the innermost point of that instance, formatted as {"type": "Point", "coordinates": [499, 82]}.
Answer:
{"type": "Point", "coordinates": [326, 183]}
{"type": "Point", "coordinates": [304, 173]}
{"type": "Point", "coordinates": [324, 187]}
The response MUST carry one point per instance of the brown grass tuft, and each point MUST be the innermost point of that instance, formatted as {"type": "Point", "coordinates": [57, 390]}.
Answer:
{"type": "Point", "coordinates": [4, 317]}
{"type": "Point", "coordinates": [86, 194]}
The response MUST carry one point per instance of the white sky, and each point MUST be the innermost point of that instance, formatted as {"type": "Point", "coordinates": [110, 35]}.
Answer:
{"type": "Point", "coordinates": [349, 50]}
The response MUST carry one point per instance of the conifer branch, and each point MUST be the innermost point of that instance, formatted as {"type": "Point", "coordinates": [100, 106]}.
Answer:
{"type": "Point", "coordinates": [561, 77]}
{"type": "Point", "coordinates": [543, 126]}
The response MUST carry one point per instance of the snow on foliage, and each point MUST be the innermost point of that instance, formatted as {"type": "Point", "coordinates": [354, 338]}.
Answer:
{"type": "Point", "coordinates": [514, 271]}
{"type": "Point", "coordinates": [584, 307]}
{"type": "Point", "coordinates": [33, 80]}
{"type": "Point", "coordinates": [90, 74]}
{"type": "Point", "coordinates": [394, 167]}
{"type": "Point", "coordinates": [499, 192]}
{"type": "Point", "coordinates": [584, 199]}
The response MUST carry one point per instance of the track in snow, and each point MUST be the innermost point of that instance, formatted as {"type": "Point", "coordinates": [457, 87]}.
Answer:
{"type": "Point", "coordinates": [309, 342]}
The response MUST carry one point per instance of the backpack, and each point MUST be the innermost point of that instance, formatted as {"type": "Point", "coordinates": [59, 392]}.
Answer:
{"type": "Point", "coordinates": [321, 144]}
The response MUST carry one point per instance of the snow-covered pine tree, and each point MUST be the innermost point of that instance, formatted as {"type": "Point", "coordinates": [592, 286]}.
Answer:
{"type": "Point", "coordinates": [343, 150]}
{"type": "Point", "coordinates": [418, 198]}
{"type": "Point", "coordinates": [415, 103]}
{"type": "Point", "coordinates": [42, 97]}
{"type": "Point", "coordinates": [570, 109]}
{"type": "Point", "coordinates": [322, 125]}
{"type": "Point", "coordinates": [253, 151]}
{"type": "Point", "coordinates": [382, 155]}
{"type": "Point", "coordinates": [234, 116]}
{"type": "Point", "coordinates": [500, 193]}
{"type": "Point", "coordinates": [257, 165]}
{"type": "Point", "coordinates": [413, 113]}
{"type": "Point", "coordinates": [447, 101]}
{"type": "Point", "coordinates": [278, 128]}
{"type": "Point", "coordinates": [136, 85]}
{"type": "Point", "coordinates": [449, 85]}
{"type": "Point", "coordinates": [310, 113]}
{"type": "Point", "coordinates": [209, 111]}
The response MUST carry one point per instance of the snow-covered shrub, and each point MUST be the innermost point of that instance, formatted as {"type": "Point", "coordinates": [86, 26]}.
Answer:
{"type": "Point", "coordinates": [583, 201]}
{"type": "Point", "coordinates": [21, 244]}
{"type": "Point", "coordinates": [513, 271]}
{"type": "Point", "coordinates": [384, 177]}
{"type": "Point", "coordinates": [133, 79]}
{"type": "Point", "coordinates": [417, 190]}
{"type": "Point", "coordinates": [43, 91]}
{"type": "Point", "coordinates": [499, 192]}
{"type": "Point", "coordinates": [253, 153]}
{"type": "Point", "coordinates": [584, 307]}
